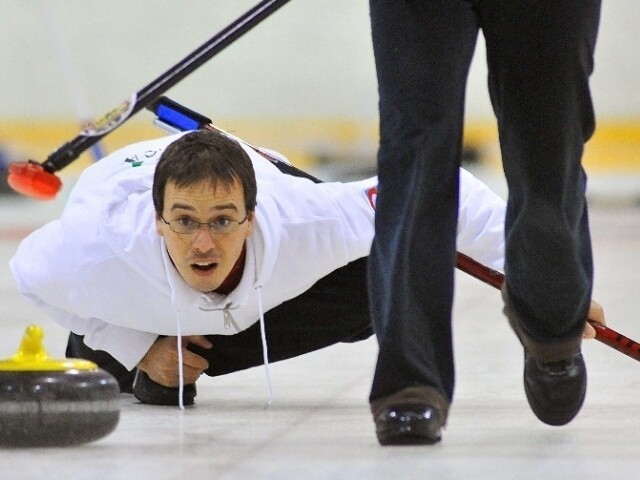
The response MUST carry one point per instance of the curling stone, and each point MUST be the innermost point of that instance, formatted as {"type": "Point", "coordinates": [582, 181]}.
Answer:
{"type": "Point", "coordinates": [46, 402]}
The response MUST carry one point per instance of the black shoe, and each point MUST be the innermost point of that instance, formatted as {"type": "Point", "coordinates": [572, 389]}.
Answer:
{"type": "Point", "coordinates": [555, 375]}
{"type": "Point", "coordinates": [555, 390]}
{"type": "Point", "coordinates": [409, 424]}
{"type": "Point", "coordinates": [152, 393]}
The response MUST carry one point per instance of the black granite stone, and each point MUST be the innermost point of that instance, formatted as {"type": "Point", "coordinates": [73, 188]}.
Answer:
{"type": "Point", "coordinates": [55, 409]}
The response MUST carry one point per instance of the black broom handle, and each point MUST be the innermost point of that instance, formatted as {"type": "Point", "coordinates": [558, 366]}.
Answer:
{"type": "Point", "coordinates": [70, 151]}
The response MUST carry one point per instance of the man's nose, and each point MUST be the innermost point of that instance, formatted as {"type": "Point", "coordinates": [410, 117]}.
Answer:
{"type": "Point", "coordinates": [203, 239]}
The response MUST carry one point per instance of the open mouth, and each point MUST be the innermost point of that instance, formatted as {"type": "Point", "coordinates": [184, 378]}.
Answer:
{"type": "Point", "coordinates": [203, 267]}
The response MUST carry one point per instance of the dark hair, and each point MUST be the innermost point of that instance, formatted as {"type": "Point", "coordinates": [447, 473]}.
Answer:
{"type": "Point", "coordinates": [204, 155]}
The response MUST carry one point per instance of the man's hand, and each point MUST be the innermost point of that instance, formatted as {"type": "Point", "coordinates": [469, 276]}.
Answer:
{"type": "Point", "coordinates": [596, 313]}
{"type": "Point", "coordinates": [161, 360]}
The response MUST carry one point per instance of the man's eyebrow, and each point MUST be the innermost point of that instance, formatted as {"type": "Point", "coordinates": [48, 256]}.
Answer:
{"type": "Point", "coordinates": [223, 206]}
{"type": "Point", "coordinates": [181, 206]}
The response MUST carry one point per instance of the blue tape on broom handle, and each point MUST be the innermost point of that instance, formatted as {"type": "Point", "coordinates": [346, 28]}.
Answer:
{"type": "Point", "coordinates": [177, 119]}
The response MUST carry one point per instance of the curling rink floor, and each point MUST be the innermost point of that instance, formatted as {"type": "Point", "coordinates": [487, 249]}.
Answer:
{"type": "Point", "coordinates": [319, 426]}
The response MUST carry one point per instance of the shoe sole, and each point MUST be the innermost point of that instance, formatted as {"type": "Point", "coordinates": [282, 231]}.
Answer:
{"type": "Point", "coordinates": [407, 439]}
{"type": "Point", "coordinates": [408, 434]}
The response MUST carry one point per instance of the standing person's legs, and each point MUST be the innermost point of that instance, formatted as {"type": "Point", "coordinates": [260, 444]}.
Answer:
{"type": "Point", "coordinates": [540, 56]}
{"type": "Point", "coordinates": [423, 51]}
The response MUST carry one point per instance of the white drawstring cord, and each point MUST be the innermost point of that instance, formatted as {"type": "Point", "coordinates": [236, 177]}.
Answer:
{"type": "Point", "coordinates": [265, 355]}
{"type": "Point", "coordinates": [168, 262]}
{"type": "Point", "coordinates": [180, 366]}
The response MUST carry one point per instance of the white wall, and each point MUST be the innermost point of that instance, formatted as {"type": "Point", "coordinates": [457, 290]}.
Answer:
{"type": "Point", "coordinates": [312, 58]}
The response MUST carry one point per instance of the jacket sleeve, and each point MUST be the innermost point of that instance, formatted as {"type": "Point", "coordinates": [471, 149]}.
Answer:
{"type": "Point", "coordinates": [480, 222]}
{"type": "Point", "coordinates": [46, 278]}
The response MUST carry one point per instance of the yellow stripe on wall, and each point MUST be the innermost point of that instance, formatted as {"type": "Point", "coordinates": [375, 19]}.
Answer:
{"type": "Point", "coordinates": [615, 147]}
{"type": "Point", "coordinates": [303, 141]}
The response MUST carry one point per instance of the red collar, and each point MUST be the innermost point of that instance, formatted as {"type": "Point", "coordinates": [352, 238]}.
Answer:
{"type": "Point", "coordinates": [233, 279]}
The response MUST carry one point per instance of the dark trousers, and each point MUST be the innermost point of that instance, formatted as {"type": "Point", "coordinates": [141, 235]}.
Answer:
{"type": "Point", "coordinates": [539, 57]}
{"type": "Point", "coordinates": [335, 309]}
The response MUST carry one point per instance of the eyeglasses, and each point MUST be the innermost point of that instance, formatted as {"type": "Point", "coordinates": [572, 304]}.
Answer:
{"type": "Point", "coordinates": [220, 226]}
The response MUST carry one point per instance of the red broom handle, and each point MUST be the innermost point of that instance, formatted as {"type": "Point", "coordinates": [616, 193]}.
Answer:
{"type": "Point", "coordinates": [604, 334]}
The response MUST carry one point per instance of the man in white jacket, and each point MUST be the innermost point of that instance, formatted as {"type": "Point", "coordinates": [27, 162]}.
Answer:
{"type": "Point", "coordinates": [170, 260]}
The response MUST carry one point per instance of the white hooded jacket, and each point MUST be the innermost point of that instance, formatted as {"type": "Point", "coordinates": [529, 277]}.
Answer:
{"type": "Point", "coordinates": [102, 271]}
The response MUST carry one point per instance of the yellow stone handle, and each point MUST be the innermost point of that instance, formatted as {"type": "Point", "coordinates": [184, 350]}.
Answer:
{"type": "Point", "coordinates": [32, 356]}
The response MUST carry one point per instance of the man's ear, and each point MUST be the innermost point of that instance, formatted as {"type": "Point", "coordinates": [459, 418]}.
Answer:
{"type": "Point", "coordinates": [159, 224]}
{"type": "Point", "coordinates": [251, 217]}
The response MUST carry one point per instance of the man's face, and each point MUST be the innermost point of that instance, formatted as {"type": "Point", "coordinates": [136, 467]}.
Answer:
{"type": "Point", "coordinates": [202, 258]}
